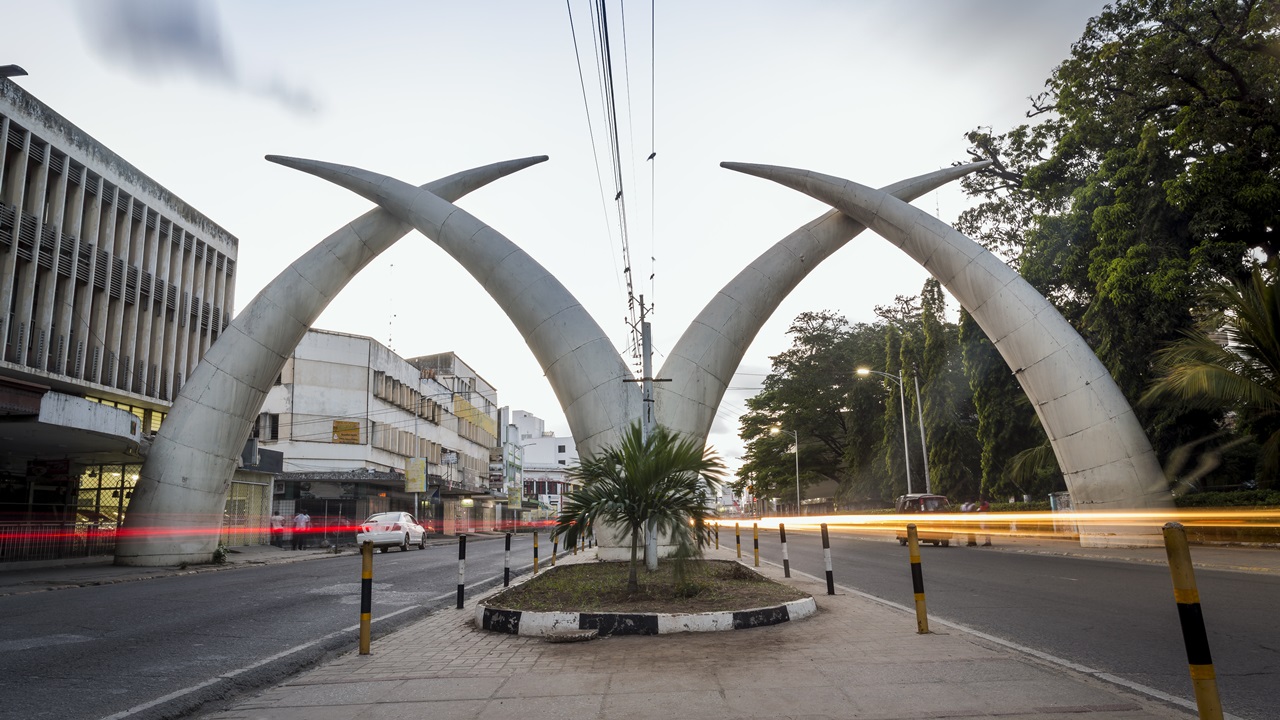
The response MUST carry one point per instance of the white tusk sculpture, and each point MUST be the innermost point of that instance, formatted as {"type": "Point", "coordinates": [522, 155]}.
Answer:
{"type": "Point", "coordinates": [175, 513]}
{"type": "Point", "coordinates": [584, 369]}
{"type": "Point", "coordinates": [1101, 448]}
{"type": "Point", "coordinates": [589, 379]}
{"type": "Point", "coordinates": [703, 361]}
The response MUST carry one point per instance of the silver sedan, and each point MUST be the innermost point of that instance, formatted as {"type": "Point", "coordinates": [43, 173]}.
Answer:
{"type": "Point", "coordinates": [391, 529]}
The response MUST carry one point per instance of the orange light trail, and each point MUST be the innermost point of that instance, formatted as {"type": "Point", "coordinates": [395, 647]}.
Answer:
{"type": "Point", "coordinates": [1035, 524]}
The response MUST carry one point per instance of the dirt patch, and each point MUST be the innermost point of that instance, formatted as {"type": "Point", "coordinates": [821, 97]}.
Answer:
{"type": "Point", "coordinates": [707, 586]}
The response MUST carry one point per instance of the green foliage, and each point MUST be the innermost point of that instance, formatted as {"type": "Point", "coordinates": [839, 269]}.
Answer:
{"type": "Point", "coordinates": [1232, 361]}
{"type": "Point", "coordinates": [1239, 498]}
{"type": "Point", "coordinates": [1148, 174]}
{"type": "Point", "coordinates": [664, 478]}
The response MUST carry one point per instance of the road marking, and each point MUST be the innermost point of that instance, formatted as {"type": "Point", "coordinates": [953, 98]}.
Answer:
{"type": "Point", "coordinates": [1061, 662]}
{"type": "Point", "coordinates": [285, 653]}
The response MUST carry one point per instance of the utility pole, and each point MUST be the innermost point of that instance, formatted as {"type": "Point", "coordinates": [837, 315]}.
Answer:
{"type": "Point", "coordinates": [647, 425]}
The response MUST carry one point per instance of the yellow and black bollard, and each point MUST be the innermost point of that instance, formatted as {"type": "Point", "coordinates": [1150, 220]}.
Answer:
{"type": "Point", "coordinates": [555, 548]}
{"type": "Point", "coordinates": [1203, 678]}
{"type": "Point", "coordinates": [755, 541]}
{"type": "Point", "coordinates": [366, 594]}
{"type": "Point", "coordinates": [717, 531]}
{"type": "Point", "coordinates": [737, 538]}
{"type": "Point", "coordinates": [535, 552]}
{"type": "Point", "coordinates": [917, 580]}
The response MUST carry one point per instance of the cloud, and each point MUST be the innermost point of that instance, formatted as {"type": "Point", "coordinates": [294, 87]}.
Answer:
{"type": "Point", "coordinates": [168, 37]}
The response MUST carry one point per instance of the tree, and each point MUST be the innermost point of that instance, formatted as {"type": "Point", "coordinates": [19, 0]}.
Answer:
{"type": "Point", "coordinates": [949, 417]}
{"type": "Point", "coordinates": [1148, 175]}
{"type": "Point", "coordinates": [664, 478]}
{"type": "Point", "coordinates": [1232, 361]}
{"type": "Point", "coordinates": [1006, 423]}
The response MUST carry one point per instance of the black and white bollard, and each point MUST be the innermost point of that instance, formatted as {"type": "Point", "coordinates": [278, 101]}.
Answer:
{"type": "Point", "coordinates": [786, 562]}
{"type": "Point", "coordinates": [826, 560]}
{"type": "Point", "coordinates": [755, 542]}
{"type": "Point", "coordinates": [506, 563]}
{"type": "Point", "coordinates": [462, 567]}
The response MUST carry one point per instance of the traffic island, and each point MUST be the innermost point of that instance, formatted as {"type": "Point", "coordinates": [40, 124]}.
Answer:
{"type": "Point", "coordinates": [581, 598]}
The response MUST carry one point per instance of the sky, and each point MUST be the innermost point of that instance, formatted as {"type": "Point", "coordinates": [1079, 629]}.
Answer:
{"type": "Point", "coordinates": [194, 93]}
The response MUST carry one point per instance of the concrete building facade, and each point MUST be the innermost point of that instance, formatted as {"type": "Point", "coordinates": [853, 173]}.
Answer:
{"type": "Point", "coordinates": [546, 460]}
{"type": "Point", "coordinates": [111, 291]}
{"type": "Point", "coordinates": [349, 414]}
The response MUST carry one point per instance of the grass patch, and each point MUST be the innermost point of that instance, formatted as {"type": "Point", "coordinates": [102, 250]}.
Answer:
{"type": "Point", "coordinates": [707, 586]}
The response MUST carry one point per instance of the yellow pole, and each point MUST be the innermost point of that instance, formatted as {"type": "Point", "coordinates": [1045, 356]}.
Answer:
{"type": "Point", "coordinates": [717, 536]}
{"type": "Point", "coordinates": [555, 548]}
{"type": "Point", "coordinates": [737, 537]}
{"type": "Point", "coordinates": [917, 580]}
{"type": "Point", "coordinates": [366, 594]}
{"type": "Point", "coordinates": [1203, 678]}
{"type": "Point", "coordinates": [535, 552]}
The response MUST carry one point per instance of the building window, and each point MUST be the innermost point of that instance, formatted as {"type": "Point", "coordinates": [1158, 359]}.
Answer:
{"type": "Point", "coordinates": [560, 449]}
{"type": "Point", "coordinates": [560, 461]}
{"type": "Point", "coordinates": [268, 427]}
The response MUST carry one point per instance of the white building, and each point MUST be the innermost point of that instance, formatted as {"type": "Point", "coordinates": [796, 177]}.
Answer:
{"type": "Point", "coordinates": [546, 460]}
{"type": "Point", "coordinates": [348, 414]}
{"type": "Point", "coordinates": [111, 290]}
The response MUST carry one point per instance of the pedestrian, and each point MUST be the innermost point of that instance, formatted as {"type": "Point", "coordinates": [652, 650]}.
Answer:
{"type": "Point", "coordinates": [969, 507]}
{"type": "Point", "coordinates": [301, 525]}
{"type": "Point", "coordinates": [984, 506]}
{"type": "Point", "coordinates": [277, 528]}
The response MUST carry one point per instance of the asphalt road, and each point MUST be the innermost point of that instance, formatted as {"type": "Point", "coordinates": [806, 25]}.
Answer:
{"type": "Point", "coordinates": [1112, 616]}
{"type": "Point", "coordinates": [96, 652]}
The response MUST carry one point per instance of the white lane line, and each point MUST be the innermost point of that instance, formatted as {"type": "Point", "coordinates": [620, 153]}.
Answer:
{"type": "Point", "coordinates": [297, 648]}
{"type": "Point", "coordinates": [1061, 662]}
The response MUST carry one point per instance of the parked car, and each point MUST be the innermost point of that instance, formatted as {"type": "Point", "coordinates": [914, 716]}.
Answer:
{"type": "Point", "coordinates": [390, 529]}
{"type": "Point", "coordinates": [924, 503]}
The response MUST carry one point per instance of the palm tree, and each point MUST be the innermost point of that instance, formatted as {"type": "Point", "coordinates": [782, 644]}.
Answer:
{"type": "Point", "coordinates": [664, 478]}
{"type": "Point", "coordinates": [1233, 362]}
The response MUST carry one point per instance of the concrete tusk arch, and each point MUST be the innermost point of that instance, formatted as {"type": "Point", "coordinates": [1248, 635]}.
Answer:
{"type": "Point", "coordinates": [176, 510]}
{"type": "Point", "coordinates": [704, 359]}
{"type": "Point", "coordinates": [1101, 448]}
{"type": "Point", "coordinates": [581, 364]}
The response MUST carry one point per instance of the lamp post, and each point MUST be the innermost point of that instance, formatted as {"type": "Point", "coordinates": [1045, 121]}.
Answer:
{"type": "Point", "coordinates": [902, 395]}
{"type": "Point", "coordinates": [796, 437]}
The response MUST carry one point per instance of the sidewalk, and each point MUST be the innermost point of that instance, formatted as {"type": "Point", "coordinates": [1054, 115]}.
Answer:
{"type": "Point", "coordinates": [855, 658]}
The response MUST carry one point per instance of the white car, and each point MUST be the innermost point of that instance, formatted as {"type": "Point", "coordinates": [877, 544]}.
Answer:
{"type": "Point", "coordinates": [389, 529]}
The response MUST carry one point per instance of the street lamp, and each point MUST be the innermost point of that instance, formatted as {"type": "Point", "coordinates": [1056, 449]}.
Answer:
{"type": "Point", "coordinates": [902, 395]}
{"type": "Point", "coordinates": [795, 436]}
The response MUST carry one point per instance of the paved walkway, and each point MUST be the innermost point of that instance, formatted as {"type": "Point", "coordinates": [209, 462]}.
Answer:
{"type": "Point", "coordinates": [855, 659]}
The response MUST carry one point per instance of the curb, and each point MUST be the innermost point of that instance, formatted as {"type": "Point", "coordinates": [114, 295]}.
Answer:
{"type": "Point", "coordinates": [549, 624]}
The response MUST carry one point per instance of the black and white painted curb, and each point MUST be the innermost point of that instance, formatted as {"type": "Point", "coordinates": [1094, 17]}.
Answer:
{"type": "Point", "coordinates": [529, 623]}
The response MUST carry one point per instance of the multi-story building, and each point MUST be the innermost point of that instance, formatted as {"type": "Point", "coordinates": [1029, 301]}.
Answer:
{"type": "Point", "coordinates": [349, 415]}
{"type": "Point", "coordinates": [546, 460]}
{"type": "Point", "coordinates": [111, 291]}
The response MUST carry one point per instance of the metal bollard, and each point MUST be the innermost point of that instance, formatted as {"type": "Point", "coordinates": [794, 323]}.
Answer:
{"type": "Point", "coordinates": [366, 594]}
{"type": "Point", "coordinates": [917, 580]}
{"type": "Point", "coordinates": [555, 548]}
{"type": "Point", "coordinates": [786, 563]}
{"type": "Point", "coordinates": [716, 528]}
{"type": "Point", "coordinates": [535, 552]}
{"type": "Point", "coordinates": [826, 560]}
{"type": "Point", "coordinates": [506, 563]}
{"type": "Point", "coordinates": [737, 538]}
{"type": "Point", "coordinates": [1204, 679]}
{"type": "Point", "coordinates": [462, 568]}
{"type": "Point", "coordinates": [755, 540]}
